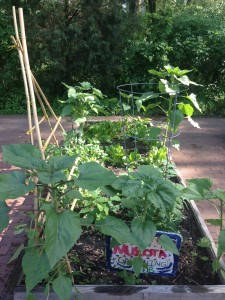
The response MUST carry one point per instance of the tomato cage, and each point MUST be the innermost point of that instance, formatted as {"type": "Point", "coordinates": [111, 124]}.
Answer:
{"type": "Point", "coordinates": [150, 123]}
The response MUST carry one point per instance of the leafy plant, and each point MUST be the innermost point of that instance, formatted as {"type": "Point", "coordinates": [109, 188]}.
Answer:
{"type": "Point", "coordinates": [57, 222]}
{"type": "Point", "coordinates": [200, 189]}
{"type": "Point", "coordinates": [56, 228]}
{"type": "Point", "coordinates": [116, 154]}
{"type": "Point", "coordinates": [82, 100]}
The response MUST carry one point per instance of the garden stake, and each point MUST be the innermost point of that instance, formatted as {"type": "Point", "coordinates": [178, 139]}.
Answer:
{"type": "Point", "coordinates": [29, 78]}
{"type": "Point", "coordinates": [52, 134]}
{"type": "Point", "coordinates": [23, 73]}
{"type": "Point", "coordinates": [44, 111]}
{"type": "Point", "coordinates": [46, 101]}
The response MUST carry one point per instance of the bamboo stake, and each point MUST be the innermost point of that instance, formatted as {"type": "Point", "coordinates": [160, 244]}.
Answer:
{"type": "Point", "coordinates": [24, 77]}
{"type": "Point", "coordinates": [46, 101]}
{"type": "Point", "coordinates": [52, 133]}
{"type": "Point", "coordinates": [45, 112]}
{"type": "Point", "coordinates": [28, 132]}
{"type": "Point", "coordinates": [29, 79]}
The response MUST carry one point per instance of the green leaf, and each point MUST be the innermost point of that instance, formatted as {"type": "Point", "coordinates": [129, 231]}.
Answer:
{"type": "Point", "coordinates": [12, 185]}
{"type": "Point", "coordinates": [62, 230]}
{"type": "Point", "coordinates": [220, 194]}
{"type": "Point", "coordinates": [86, 85]}
{"type": "Point", "coordinates": [204, 258]}
{"type": "Point", "coordinates": [62, 286]}
{"type": "Point", "coordinates": [143, 233]}
{"type": "Point", "coordinates": [129, 202]}
{"type": "Point", "coordinates": [164, 196]}
{"type": "Point", "coordinates": [58, 163]}
{"type": "Point", "coordinates": [116, 228]}
{"type": "Point", "coordinates": [214, 222]}
{"type": "Point", "coordinates": [93, 175]}
{"type": "Point", "coordinates": [138, 104]}
{"type": "Point", "coordinates": [153, 132]}
{"type": "Point", "coordinates": [35, 267]}
{"type": "Point", "coordinates": [183, 79]}
{"type": "Point", "coordinates": [167, 243]}
{"type": "Point", "coordinates": [198, 189]}
{"type": "Point", "coordinates": [137, 264]}
{"type": "Point", "coordinates": [120, 181]}
{"type": "Point", "coordinates": [175, 118]}
{"type": "Point", "coordinates": [192, 98]}
{"type": "Point", "coordinates": [216, 265]}
{"type": "Point", "coordinates": [170, 88]}
{"type": "Point", "coordinates": [66, 111]}
{"type": "Point", "coordinates": [126, 107]}
{"type": "Point", "coordinates": [204, 242]}
{"type": "Point", "coordinates": [72, 93]}
{"type": "Point", "coordinates": [17, 253]}
{"type": "Point", "coordinates": [157, 73]}
{"type": "Point", "coordinates": [79, 121]}
{"type": "Point", "coordinates": [74, 194]}
{"type": "Point", "coordinates": [23, 156]}
{"type": "Point", "coordinates": [186, 109]}
{"type": "Point", "coordinates": [221, 242]}
{"type": "Point", "coordinates": [51, 178]}
{"type": "Point", "coordinates": [4, 213]}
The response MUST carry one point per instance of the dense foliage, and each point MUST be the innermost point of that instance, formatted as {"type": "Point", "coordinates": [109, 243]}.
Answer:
{"type": "Point", "coordinates": [113, 42]}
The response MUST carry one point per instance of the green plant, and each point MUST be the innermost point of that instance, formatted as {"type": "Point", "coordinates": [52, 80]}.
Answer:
{"type": "Point", "coordinates": [116, 154]}
{"type": "Point", "coordinates": [200, 189]}
{"type": "Point", "coordinates": [82, 100]}
{"type": "Point", "coordinates": [55, 226]}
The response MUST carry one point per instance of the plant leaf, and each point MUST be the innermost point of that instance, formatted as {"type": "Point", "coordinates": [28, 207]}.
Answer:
{"type": "Point", "coordinates": [62, 286]}
{"type": "Point", "coordinates": [23, 156]}
{"type": "Point", "coordinates": [186, 109]}
{"type": "Point", "coordinates": [93, 175]}
{"type": "Point", "coordinates": [192, 122]}
{"type": "Point", "coordinates": [62, 230]}
{"type": "Point", "coordinates": [116, 228]}
{"type": "Point", "coordinates": [17, 253]}
{"type": "Point", "coordinates": [143, 233]}
{"type": "Point", "coordinates": [137, 264]}
{"type": "Point", "coordinates": [4, 213]}
{"type": "Point", "coordinates": [192, 98]}
{"type": "Point", "coordinates": [167, 243]}
{"type": "Point", "coordinates": [175, 118]}
{"type": "Point", "coordinates": [12, 185]}
{"type": "Point", "coordinates": [58, 163]}
{"type": "Point", "coordinates": [198, 189]}
{"type": "Point", "coordinates": [51, 178]}
{"type": "Point", "coordinates": [66, 111]}
{"type": "Point", "coordinates": [35, 266]}
{"type": "Point", "coordinates": [221, 242]}
{"type": "Point", "coordinates": [214, 222]}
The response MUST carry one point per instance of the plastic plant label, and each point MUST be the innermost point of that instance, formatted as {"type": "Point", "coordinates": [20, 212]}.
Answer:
{"type": "Point", "coordinates": [157, 261]}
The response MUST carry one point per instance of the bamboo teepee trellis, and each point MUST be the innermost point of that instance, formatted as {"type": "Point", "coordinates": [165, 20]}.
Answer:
{"type": "Point", "coordinates": [32, 89]}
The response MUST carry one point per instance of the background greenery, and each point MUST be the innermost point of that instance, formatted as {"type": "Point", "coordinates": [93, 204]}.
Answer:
{"type": "Point", "coordinates": [114, 42]}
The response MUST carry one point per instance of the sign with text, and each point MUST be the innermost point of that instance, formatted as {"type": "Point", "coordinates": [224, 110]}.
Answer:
{"type": "Point", "coordinates": [157, 261]}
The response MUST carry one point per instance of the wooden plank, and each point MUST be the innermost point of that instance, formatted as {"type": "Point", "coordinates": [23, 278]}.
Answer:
{"type": "Point", "coordinates": [139, 292]}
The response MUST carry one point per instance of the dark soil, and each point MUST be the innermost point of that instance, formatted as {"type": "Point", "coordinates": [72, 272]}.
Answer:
{"type": "Point", "coordinates": [89, 261]}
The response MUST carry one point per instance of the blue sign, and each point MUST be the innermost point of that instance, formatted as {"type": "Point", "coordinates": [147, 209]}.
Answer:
{"type": "Point", "coordinates": [157, 260]}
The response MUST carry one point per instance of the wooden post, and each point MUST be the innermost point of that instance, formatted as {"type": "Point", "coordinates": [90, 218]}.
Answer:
{"type": "Point", "coordinates": [24, 77]}
{"type": "Point", "coordinates": [29, 79]}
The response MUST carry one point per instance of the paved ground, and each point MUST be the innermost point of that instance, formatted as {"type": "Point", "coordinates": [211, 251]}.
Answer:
{"type": "Point", "coordinates": [202, 154]}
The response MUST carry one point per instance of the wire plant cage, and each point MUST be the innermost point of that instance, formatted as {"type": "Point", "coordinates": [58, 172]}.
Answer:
{"type": "Point", "coordinates": [148, 138]}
